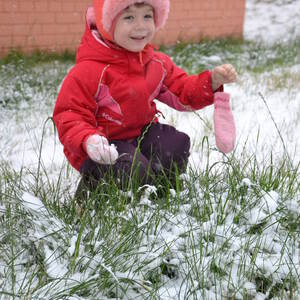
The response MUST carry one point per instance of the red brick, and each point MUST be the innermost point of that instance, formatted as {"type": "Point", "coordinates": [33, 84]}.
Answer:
{"type": "Point", "coordinates": [67, 39]}
{"type": "Point", "coordinates": [75, 28]}
{"type": "Point", "coordinates": [178, 7]}
{"type": "Point", "coordinates": [5, 41]}
{"type": "Point", "coordinates": [68, 6]}
{"type": "Point", "coordinates": [43, 40]}
{"type": "Point", "coordinates": [55, 6]}
{"type": "Point", "coordinates": [239, 4]}
{"type": "Point", "coordinates": [55, 24]}
{"type": "Point", "coordinates": [10, 5]}
{"type": "Point", "coordinates": [42, 17]}
{"type": "Point", "coordinates": [5, 18]}
{"type": "Point", "coordinates": [26, 6]}
{"type": "Point", "coordinates": [54, 29]}
{"type": "Point", "coordinates": [5, 30]}
{"type": "Point", "coordinates": [19, 41]}
{"type": "Point", "coordinates": [20, 30]}
{"type": "Point", "coordinates": [68, 18]}
{"type": "Point", "coordinates": [81, 6]}
{"type": "Point", "coordinates": [35, 29]}
{"type": "Point", "coordinates": [20, 18]}
{"type": "Point", "coordinates": [41, 5]}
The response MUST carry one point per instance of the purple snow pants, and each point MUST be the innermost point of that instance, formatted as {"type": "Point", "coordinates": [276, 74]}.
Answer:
{"type": "Point", "coordinates": [160, 150]}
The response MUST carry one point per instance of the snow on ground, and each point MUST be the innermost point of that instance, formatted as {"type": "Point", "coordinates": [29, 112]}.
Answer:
{"type": "Point", "coordinates": [255, 119]}
{"type": "Point", "coordinates": [270, 21]}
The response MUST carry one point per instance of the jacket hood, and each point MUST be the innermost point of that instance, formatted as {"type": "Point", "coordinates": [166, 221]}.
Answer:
{"type": "Point", "coordinates": [94, 47]}
{"type": "Point", "coordinates": [106, 12]}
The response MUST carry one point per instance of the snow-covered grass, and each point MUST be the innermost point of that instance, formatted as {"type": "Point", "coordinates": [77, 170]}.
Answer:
{"type": "Point", "coordinates": [230, 229]}
{"type": "Point", "coordinates": [269, 21]}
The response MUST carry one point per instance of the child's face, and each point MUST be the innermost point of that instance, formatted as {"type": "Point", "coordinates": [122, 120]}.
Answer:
{"type": "Point", "coordinates": [135, 27]}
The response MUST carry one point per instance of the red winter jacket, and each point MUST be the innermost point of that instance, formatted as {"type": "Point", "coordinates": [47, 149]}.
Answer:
{"type": "Point", "coordinates": [111, 92]}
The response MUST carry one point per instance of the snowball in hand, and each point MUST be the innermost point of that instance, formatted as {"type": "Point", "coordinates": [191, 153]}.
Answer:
{"type": "Point", "coordinates": [99, 150]}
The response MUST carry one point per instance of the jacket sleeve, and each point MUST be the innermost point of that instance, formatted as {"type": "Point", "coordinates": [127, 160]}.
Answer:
{"type": "Point", "coordinates": [74, 115]}
{"type": "Point", "coordinates": [185, 92]}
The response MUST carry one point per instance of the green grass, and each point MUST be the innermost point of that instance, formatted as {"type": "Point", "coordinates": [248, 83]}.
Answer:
{"type": "Point", "coordinates": [23, 77]}
{"type": "Point", "coordinates": [122, 246]}
{"type": "Point", "coordinates": [245, 56]}
{"type": "Point", "coordinates": [19, 58]}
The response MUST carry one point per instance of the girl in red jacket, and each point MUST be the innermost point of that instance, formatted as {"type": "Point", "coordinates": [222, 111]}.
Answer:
{"type": "Point", "coordinates": [105, 112]}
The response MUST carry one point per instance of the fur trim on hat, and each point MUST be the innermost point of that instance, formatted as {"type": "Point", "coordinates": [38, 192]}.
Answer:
{"type": "Point", "coordinates": [107, 10]}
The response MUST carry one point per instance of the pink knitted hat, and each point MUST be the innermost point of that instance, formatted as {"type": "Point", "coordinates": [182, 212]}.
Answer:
{"type": "Point", "coordinates": [107, 10]}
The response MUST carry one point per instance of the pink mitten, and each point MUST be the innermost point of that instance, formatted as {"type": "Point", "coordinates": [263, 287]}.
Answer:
{"type": "Point", "coordinates": [224, 123]}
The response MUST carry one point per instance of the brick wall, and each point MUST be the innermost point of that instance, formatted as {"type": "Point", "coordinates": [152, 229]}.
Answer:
{"type": "Point", "coordinates": [58, 24]}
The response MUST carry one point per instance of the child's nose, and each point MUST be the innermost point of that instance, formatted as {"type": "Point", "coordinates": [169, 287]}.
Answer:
{"type": "Point", "coordinates": [140, 24]}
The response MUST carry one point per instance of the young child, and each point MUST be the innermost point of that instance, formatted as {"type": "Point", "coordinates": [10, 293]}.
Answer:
{"type": "Point", "coordinates": [105, 112]}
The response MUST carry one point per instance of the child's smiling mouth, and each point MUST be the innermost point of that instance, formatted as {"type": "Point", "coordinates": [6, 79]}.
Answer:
{"type": "Point", "coordinates": [138, 38]}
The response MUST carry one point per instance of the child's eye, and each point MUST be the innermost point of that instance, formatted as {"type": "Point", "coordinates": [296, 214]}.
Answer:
{"type": "Point", "coordinates": [149, 16]}
{"type": "Point", "coordinates": [129, 18]}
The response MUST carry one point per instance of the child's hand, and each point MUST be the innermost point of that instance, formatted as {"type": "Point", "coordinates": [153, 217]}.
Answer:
{"type": "Point", "coordinates": [99, 150]}
{"type": "Point", "coordinates": [223, 74]}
